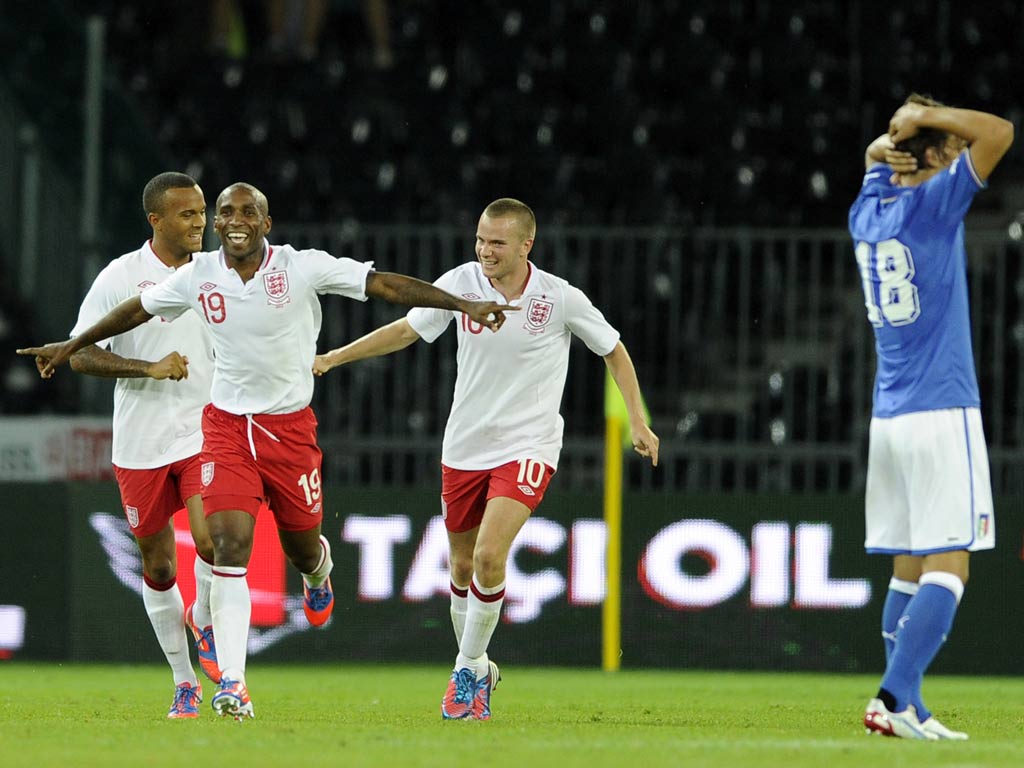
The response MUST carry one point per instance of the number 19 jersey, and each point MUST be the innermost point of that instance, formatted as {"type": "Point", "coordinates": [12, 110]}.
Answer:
{"type": "Point", "coordinates": [509, 384]}
{"type": "Point", "coordinates": [264, 330]}
{"type": "Point", "coordinates": [909, 244]}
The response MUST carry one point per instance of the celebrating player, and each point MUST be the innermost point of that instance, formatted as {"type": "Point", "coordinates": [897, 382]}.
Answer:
{"type": "Point", "coordinates": [928, 498]}
{"type": "Point", "coordinates": [163, 373]}
{"type": "Point", "coordinates": [260, 304]}
{"type": "Point", "coordinates": [504, 433]}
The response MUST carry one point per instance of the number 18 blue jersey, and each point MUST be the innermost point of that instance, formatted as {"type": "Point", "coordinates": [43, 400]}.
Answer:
{"type": "Point", "coordinates": [909, 243]}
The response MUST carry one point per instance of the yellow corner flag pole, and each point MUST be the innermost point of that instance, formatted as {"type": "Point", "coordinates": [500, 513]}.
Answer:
{"type": "Point", "coordinates": [611, 632]}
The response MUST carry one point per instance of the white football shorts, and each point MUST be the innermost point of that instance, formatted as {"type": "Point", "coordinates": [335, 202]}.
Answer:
{"type": "Point", "coordinates": [928, 485]}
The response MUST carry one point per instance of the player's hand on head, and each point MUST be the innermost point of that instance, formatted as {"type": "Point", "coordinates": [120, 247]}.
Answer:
{"type": "Point", "coordinates": [905, 122]}
{"type": "Point", "coordinates": [48, 356]}
{"type": "Point", "coordinates": [173, 366]}
{"type": "Point", "coordinates": [901, 162]}
{"type": "Point", "coordinates": [489, 314]}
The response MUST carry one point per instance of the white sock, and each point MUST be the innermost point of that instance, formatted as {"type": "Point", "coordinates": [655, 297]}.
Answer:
{"type": "Point", "coordinates": [166, 612]}
{"type": "Point", "coordinates": [232, 608]}
{"type": "Point", "coordinates": [482, 613]}
{"type": "Point", "coordinates": [204, 580]}
{"type": "Point", "coordinates": [460, 604]}
{"type": "Point", "coordinates": [323, 569]}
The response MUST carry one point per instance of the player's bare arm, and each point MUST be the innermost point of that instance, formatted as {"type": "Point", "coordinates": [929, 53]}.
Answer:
{"type": "Point", "coordinates": [383, 341]}
{"type": "Point", "coordinates": [125, 316]}
{"type": "Point", "coordinates": [989, 136]}
{"type": "Point", "coordinates": [96, 361]}
{"type": "Point", "coordinates": [401, 289]}
{"type": "Point", "coordinates": [881, 150]}
{"type": "Point", "coordinates": [620, 365]}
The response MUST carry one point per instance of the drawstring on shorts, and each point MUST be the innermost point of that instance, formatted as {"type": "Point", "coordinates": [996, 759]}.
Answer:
{"type": "Point", "coordinates": [253, 423]}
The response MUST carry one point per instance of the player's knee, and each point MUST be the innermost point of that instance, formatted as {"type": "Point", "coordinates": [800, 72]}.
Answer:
{"type": "Point", "coordinates": [461, 570]}
{"type": "Point", "coordinates": [159, 570]}
{"type": "Point", "coordinates": [204, 547]}
{"type": "Point", "coordinates": [489, 565]}
{"type": "Point", "coordinates": [230, 550]}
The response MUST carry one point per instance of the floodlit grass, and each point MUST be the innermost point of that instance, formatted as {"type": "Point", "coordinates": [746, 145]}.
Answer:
{"type": "Point", "coordinates": [334, 715]}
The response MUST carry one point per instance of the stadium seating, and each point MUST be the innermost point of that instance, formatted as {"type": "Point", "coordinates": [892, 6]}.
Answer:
{"type": "Point", "coordinates": [702, 112]}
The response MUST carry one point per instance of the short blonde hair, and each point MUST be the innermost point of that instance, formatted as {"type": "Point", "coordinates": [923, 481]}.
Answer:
{"type": "Point", "coordinates": [520, 211]}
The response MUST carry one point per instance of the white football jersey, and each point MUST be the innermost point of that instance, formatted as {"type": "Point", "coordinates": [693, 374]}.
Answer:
{"type": "Point", "coordinates": [509, 384]}
{"type": "Point", "coordinates": [264, 331]}
{"type": "Point", "coordinates": [155, 422]}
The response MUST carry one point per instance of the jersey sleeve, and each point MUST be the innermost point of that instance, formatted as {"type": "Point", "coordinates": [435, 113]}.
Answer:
{"type": "Point", "coordinates": [948, 195]}
{"type": "Point", "coordinates": [585, 321]}
{"type": "Point", "coordinates": [107, 291]}
{"type": "Point", "coordinates": [429, 322]}
{"type": "Point", "coordinates": [172, 297]}
{"type": "Point", "coordinates": [342, 276]}
{"type": "Point", "coordinates": [877, 175]}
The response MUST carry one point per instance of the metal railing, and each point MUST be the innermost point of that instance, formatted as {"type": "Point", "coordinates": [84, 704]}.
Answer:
{"type": "Point", "coordinates": [751, 347]}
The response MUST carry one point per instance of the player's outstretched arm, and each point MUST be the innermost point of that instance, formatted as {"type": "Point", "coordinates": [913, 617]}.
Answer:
{"type": "Point", "coordinates": [402, 289]}
{"type": "Point", "coordinates": [383, 341]}
{"type": "Point", "coordinates": [620, 365]}
{"type": "Point", "coordinates": [125, 316]}
{"type": "Point", "coordinates": [96, 361]}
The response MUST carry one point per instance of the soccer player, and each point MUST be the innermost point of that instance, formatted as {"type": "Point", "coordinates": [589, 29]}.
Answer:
{"type": "Point", "coordinates": [928, 497]}
{"type": "Point", "coordinates": [163, 373]}
{"type": "Point", "coordinates": [504, 433]}
{"type": "Point", "coordinates": [260, 304]}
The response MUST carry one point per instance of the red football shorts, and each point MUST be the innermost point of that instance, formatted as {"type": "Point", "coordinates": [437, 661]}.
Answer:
{"type": "Point", "coordinates": [272, 457]}
{"type": "Point", "coordinates": [465, 492]}
{"type": "Point", "coordinates": [150, 497]}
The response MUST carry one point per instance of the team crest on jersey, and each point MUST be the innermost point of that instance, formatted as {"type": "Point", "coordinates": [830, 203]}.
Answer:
{"type": "Point", "coordinates": [145, 284]}
{"type": "Point", "coordinates": [538, 313]}
{"type": "Point", "coordinates": [276, 286]}
{"type": "Point", "coordinates": [207, 473]}
{"type": "Point", "coordinates": [132, 513]}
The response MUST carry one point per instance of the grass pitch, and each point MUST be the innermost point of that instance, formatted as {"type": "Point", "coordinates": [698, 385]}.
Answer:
{"type": "Point", "coordinates": [333, 715]}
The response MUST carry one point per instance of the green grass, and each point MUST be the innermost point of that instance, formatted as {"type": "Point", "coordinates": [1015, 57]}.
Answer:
{"type": "Point", "coordinates": [333, 715]}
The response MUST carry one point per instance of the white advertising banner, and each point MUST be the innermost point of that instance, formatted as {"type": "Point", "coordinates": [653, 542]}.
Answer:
{"type": "Point", "coordinates": [48, 448]}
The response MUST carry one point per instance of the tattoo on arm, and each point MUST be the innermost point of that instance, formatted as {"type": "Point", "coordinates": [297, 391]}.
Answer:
{"type": "Point", "coordinates": [401, 289]}
{"type": "Point", "coordinates": [95, 361]}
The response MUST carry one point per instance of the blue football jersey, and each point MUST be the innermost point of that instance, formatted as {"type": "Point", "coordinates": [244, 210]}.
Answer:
{"type": "Point", "coordinates": [909, 244]}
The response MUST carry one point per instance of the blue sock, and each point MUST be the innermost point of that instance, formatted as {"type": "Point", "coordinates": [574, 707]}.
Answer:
{"type": "Point", "coordinates": [929, 617]}
{"type": "Point", "coordinates": [894, 607]}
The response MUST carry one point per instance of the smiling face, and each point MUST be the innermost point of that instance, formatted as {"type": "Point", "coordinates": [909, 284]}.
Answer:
{"type": "Point", "coordinates": [242, 221]}
{"type": "Point", "coordinates": [501, 248]}
{"type": "Point", "coordinates": [178, 224]}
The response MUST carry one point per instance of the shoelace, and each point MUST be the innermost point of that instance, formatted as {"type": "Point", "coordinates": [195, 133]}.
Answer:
{"type": "Point", "coordinates": [205, 639]}
{"type": "Point", "coordinates": [465, 686]}
{"type": "Point", "coordinates": [319, 597]}
{"type": "Point", "coordinates": [184, 698]}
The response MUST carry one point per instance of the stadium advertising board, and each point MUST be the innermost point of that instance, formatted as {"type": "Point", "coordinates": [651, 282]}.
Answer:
{"type": "Point", "coordinates": [756, 582]}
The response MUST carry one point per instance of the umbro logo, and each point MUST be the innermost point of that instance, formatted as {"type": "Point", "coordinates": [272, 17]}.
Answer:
{"type": "Point", "coordinates": [527, 490]}
{"type": "Point", "coordinates": [471, 296]}
{"type": "Point", "coordinates": [207, 286]}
